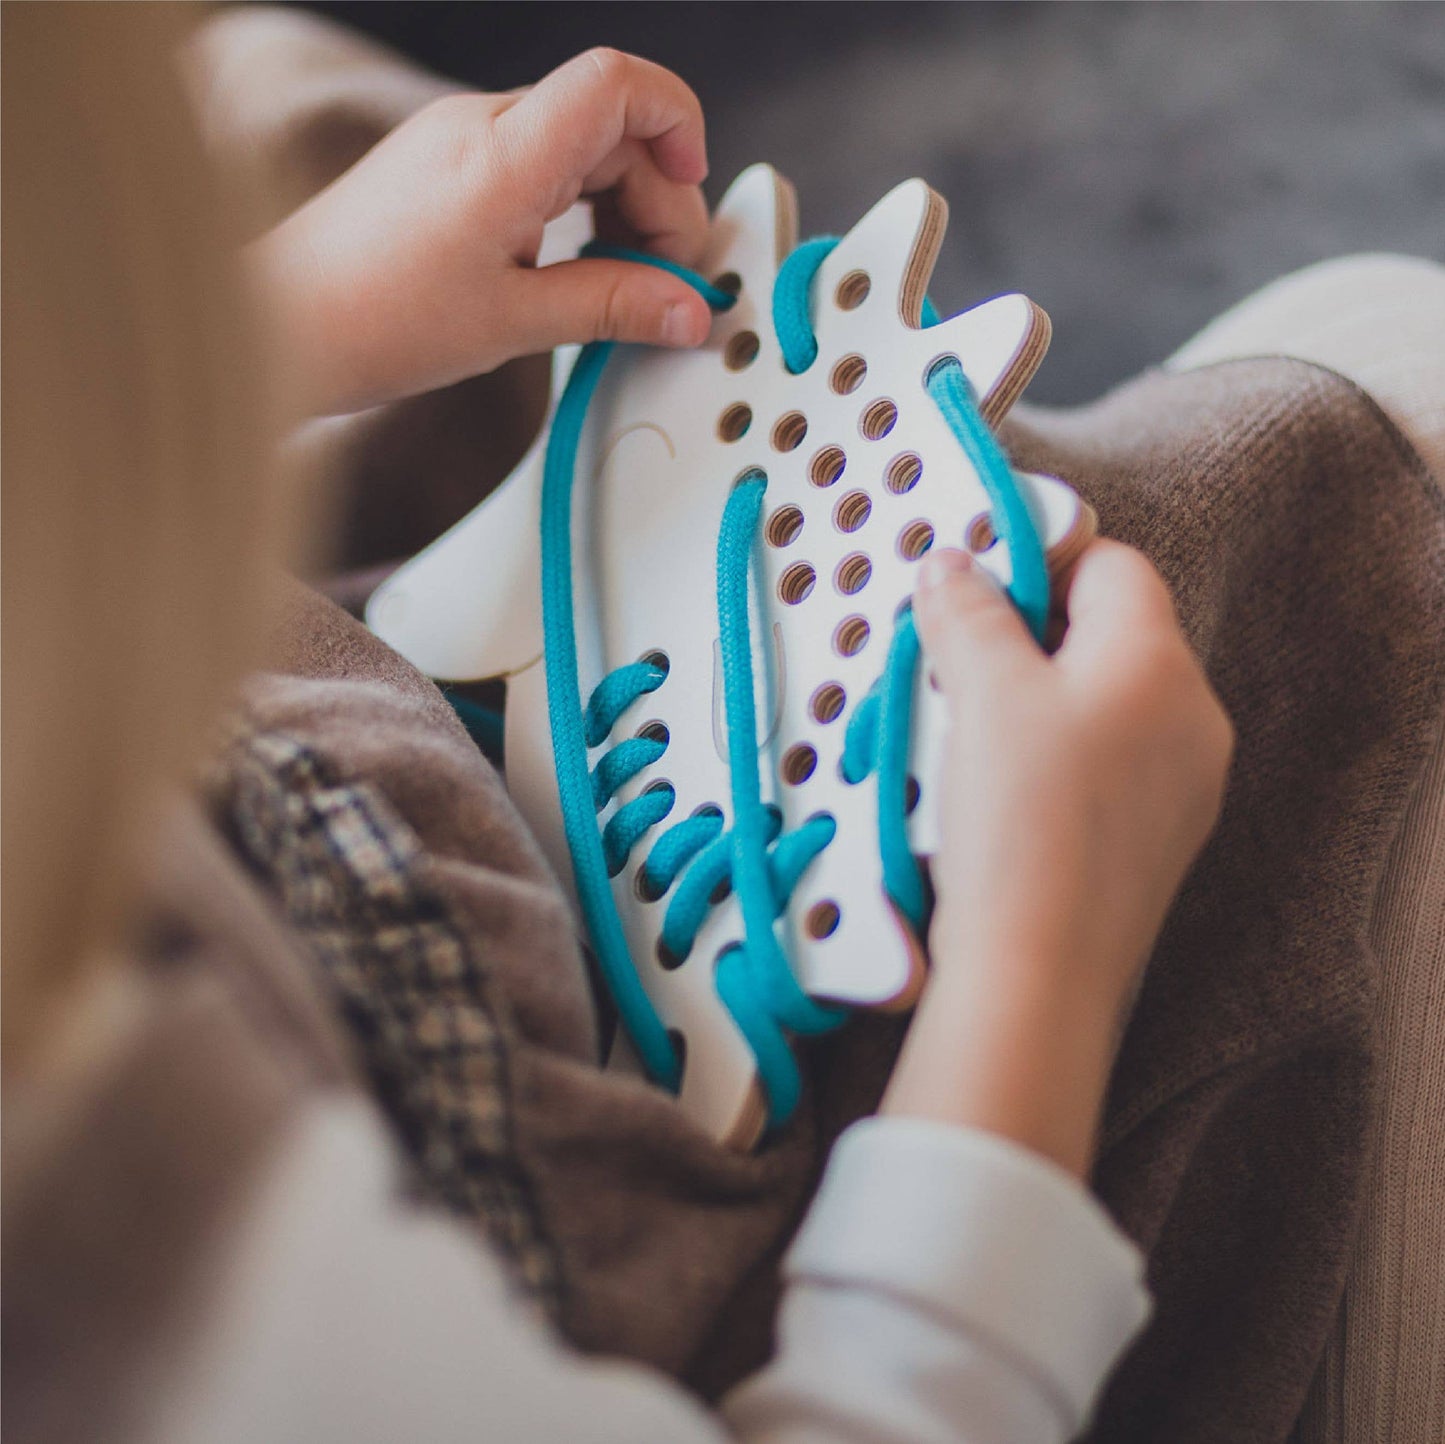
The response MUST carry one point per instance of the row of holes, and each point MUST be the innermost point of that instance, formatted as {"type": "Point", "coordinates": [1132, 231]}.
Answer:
{"type": "Point", "coordinates": [854, 571]}
{"type": "Point", "coordinates": [852, 633]}
{"type": "Point", "coordinates": [785, 526]}
{"type": "Point", "coordinates": [845, 378]}
{"type": "Point", "coordinates": [878, 419]}
{"type": "Point", "coordinates": [742, 349]}
{"type": "Point", "coordinates": [828, 465]}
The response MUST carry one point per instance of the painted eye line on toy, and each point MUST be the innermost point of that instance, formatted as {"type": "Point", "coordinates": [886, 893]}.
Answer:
{"type": "Point", "coordinates": [761, 865]}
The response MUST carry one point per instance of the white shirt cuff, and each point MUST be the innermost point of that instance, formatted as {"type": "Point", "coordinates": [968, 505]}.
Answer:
{"type": "Point", "coordinates": [998, 1240]}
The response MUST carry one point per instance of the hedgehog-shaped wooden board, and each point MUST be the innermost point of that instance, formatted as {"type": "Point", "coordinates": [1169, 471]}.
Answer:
{"type": "Point", "coordinates": [863, 475]}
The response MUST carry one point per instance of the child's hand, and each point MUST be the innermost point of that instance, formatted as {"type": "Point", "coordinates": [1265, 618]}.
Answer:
{"type": "Point", "coordinates": [1078, 789]}
{"type": "Point", "coordinates": [416, 267]}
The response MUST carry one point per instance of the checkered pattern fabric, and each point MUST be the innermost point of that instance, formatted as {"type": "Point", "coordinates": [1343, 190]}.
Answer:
{"type": "Point", "coordinates": [409, 982]}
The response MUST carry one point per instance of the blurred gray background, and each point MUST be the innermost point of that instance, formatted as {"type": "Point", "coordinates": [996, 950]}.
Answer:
{"type": "Point", "coordinates": [1133, 168]}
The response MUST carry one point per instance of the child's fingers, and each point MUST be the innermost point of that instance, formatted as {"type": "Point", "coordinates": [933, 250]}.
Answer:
{"type": "Point", "coordinates": [1116, 600]}
{"type": "Point", "coordinates": [597, 300]}
{"type": "Point", "coordinates": [635, 204]}
{"type": "Point", "coordinates": [569, 123]}
{"type": "Point", "coordinates": [967, 625]}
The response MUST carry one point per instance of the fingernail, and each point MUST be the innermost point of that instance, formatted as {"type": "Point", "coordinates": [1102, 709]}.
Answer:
{"type": "Point", "coordinates": [678, 328]}
{"type": "Point", "coordinates": [940, 564]}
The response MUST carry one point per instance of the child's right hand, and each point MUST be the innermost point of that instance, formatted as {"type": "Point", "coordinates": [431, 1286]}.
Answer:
{"type": "Point", "coordinates": [416, 267]}
{"type": "Point", "coordinates": [1079, 788]}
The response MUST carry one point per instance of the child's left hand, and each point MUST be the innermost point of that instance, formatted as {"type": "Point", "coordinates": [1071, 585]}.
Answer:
{"type": "Point", "coordinates": [416, 268]}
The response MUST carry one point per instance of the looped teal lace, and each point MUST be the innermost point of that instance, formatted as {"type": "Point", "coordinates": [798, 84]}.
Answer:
{"type": "Point", "coordinates": [698, 858]}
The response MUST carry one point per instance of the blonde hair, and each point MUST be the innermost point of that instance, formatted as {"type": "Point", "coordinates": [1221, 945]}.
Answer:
{"type": "Point", "coordinates": [139, 511]}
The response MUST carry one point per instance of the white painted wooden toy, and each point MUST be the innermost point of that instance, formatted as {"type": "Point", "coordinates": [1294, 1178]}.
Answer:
{"type": "Point", "coordinates": [849, 465]}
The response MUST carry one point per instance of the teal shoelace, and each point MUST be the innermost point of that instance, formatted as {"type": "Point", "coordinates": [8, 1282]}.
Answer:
{"type": "Point", "coordinates": [696, 857]}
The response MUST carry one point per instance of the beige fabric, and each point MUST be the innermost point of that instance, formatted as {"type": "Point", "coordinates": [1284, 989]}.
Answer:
{"type": "Point", "coordinates": [1380, 320]}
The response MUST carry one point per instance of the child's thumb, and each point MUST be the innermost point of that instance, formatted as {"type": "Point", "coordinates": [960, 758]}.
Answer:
{"type": "Point", "coordinates": [603, 300]}
{"type": "Point", "coordinates": [967, 624]}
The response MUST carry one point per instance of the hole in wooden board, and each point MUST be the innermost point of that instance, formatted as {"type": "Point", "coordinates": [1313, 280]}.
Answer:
{"type": "Point", "coordinates": [828, 702]}
{"type": "Point", "coordinates": [659, 659]}
{"type": "Point", "coordinates": [852, 511]}
{"type": "Point", "coordinates": [741, 350]}
{"type": "Point", "coordinates": [853, 290]}
{"type": "Point", "coordinates": [646, 890]}
{"type": "Point", "coordinates": [903, 473]}
{"type": "Point", "coordinates": [853, 573]}
{"type": "Point", "coordinates": [789, 430]}
{"type": "Point", "coordinates": [878, 419]}
{"type": "Point", "coordinates": [911, 793]}
{"type": "Point", "coordinates": [979, 534]}
{"type": "Point", "coordinates": [734, 422]}
{"type": "Point", "coordinates": [822, 919]}
{"type": "Point", "coordinates": [798, 764]}
{"type": "Point", "coordinates": [851, 636]}
{"type": "Point", "coordinates": [784, 526]}
{"type": "Point", "coordinates": [666, 958]}
{"type": "Point", "coordinates": [914, 540]}
{"type": "Point", "coordinates": [729, 281]}
{"type": "Point", "coordinates": [655, 731]}
{"type": "Point", "coordinates": [796, 583]}
{"type": "Point", "coordinates": [827, 466]}
{"type": "Point", "coordinates": [942, 363]}
{"type": "Point", "coordinates": [848, 375]}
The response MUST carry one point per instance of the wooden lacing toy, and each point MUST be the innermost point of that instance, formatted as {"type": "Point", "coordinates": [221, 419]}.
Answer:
{"type": "Point", "coordinates": [697, 586]}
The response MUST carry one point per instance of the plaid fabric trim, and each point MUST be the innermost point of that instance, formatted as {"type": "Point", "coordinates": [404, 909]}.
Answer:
{"type": "Point", "coordinates": [408, 980]}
